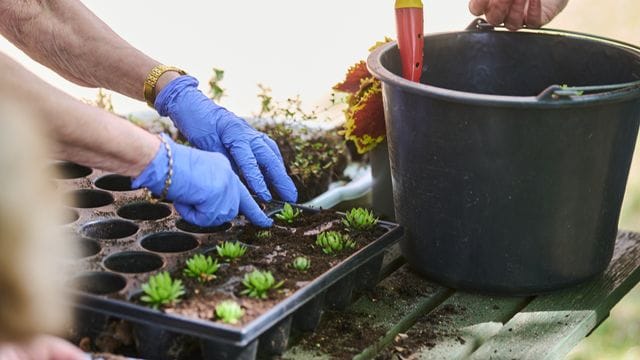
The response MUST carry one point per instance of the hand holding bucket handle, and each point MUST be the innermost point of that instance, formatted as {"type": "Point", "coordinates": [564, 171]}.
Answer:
{"type": "Point", "coordinates": [515, 14]}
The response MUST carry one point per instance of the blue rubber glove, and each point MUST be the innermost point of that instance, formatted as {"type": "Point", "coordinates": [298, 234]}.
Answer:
{"type": "Point", "coordinates": [204, 188]}
{"type": "Point", "coordinates": [213, 128]}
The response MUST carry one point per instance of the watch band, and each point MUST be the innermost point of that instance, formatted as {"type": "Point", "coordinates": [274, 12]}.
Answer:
{"type": "Point", "coordinates": [152, 80]}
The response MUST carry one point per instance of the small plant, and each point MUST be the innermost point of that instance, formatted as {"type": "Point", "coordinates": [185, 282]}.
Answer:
{"type": "Point", "coordinates": [263, 234]}
{"type": "Point", "coordinates": [333, 242]}
{"type": "Point", "coordinates": [161, 290]}
{"type": "Point", "coordinates": [301, 263]}
{"type": "Point", "coordinates": [229, 312]}
{"type": "Point", "coordinates": [360, 219]}
{"type": "Point", "coordinates": [216, 92]}
{"type": "Point", "coordinates": [258, 283]}
{"type": "Point", "coordinates": [288, 213]}
{"type": "Point", "coordinates": [201, 268]}
{"type": "Point", "coordinates": [231, 250]}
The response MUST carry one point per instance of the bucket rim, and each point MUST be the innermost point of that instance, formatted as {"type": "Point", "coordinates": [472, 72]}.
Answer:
{"type": "Point", "coordinates": [376, 68]}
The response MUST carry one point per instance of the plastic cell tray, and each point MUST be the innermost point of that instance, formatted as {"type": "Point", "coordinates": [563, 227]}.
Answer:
{"type": "Point", "coordinates": [121, 238]}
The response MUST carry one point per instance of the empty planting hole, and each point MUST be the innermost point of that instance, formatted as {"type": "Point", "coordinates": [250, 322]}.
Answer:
{"type": "Point", "coordinates": [114, 182]}
{"type": "Point", "coordinates": [144, 211]}
{"type": "Point", "coordinates": [132, 262]}
{"type": "Point", "coordinates": [85, 248]}
{"type": "Point", "coordinates": [109, 229]}
{"type": "Point", "coordinates": [69, 216]}
{"type": "Point", "coordinates": [169, 242]}
{"type": "Point", "coordinates": [99, 283]}
{"type": "Point", "coordinates": [188, 227]}
{"type": "Point", "coordinates": [69, 170]}
{"type": "Point", "coordinates": [86, 198]}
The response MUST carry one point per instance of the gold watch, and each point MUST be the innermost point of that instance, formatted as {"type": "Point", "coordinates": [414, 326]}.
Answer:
{"type": "Point", "coordinates": [152, 80]}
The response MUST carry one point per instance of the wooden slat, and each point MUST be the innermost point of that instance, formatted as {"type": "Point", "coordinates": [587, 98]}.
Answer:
{"type": "Point", "coordinates": [459, 326]}
{"type": "Point", "coordinates": [551, 325]}
{"type": "Point", "coordinates": [390, 308]}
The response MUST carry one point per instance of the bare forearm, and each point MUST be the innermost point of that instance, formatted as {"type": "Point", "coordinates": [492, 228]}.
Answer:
{"type": "Point", "coordinates": [80, 132]}
{"type": "Point", "coordinates": [66, 37]}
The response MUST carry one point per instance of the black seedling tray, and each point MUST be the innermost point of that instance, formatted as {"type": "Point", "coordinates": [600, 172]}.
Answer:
{"type": "Point", "coordinates": [121, 238]}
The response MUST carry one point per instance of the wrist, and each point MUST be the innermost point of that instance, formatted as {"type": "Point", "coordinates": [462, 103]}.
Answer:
{"type": "Point", "coordinates": [155, 174]}
{"type": "Point", "coordinates": [150, 89]}
{"type": "Point", "coordinates": [165, 79]}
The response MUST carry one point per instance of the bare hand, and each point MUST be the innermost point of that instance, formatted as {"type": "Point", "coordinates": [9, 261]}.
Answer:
{"type": "Point", "coordinates": [41, 348]}
{"type": "Point", "coordinates": [516, 13]}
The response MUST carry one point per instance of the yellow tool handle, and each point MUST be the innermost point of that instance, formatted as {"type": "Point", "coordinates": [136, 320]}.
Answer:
{"type": "Point", "coordinates": [403, 4]}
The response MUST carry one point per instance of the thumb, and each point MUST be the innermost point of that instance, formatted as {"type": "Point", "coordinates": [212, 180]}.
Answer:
{"type": "Point", "coordinates": [251, 210]}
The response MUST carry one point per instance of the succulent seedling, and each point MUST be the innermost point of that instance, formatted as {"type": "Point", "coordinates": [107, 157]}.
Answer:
{"type": "Point", "coordinates": [201, 267]}
{"type": "Point", "coordinates": [301, 263]}
{"type": "Point", "coordinates": [258, 283]}
{"type": "Point", "coordinates": [360, 219]}
{"type": "Point", "coordinates": [230, 250]}
{"type": "Point", "coordinates": [162, 290]}
{"type": "Point", "coordinates": [332, 242]}
{"type": "Point", "coordinates": [263, 234]}
{"type": "Point", "coordinates": [288, 213]}
{"type": "Point", "coordinates": [229, 312]}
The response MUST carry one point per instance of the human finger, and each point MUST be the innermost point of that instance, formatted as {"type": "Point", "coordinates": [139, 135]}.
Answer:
{"type": "Point", "coordinates": [534, 14]}
{"type": "Point", "coordinates": [246, 161]}
{"type": "Point", "coordinates": [497, 11]}
{"type": "Point", "coordinates": [275, 171]}
{"type": "Point", "coordinates": [251, 210]}
{"type": "Point", "coordinates": [515, 18]}
{"type": "Point", "coordinates": [274, 147]}
{"type": "Point", "coordinates": [478, 7]}
{"type": "Point", "coordinates": [204, 217]}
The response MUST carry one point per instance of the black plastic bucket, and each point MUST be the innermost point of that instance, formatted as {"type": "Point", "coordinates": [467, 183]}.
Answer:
{"type": "Point", "coordinates": [507, 181]}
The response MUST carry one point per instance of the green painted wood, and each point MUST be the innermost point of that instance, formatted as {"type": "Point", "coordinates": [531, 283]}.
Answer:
{"type": "Point", "coordinates": [459, 326]}
{"type": "Point", "coordinates": [551, 325]}
{"type": "Point", "coordinates": [391, 307]}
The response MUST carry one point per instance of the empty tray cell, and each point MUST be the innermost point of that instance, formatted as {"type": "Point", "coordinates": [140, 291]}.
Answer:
{"type": "Point", "coordinates": [69, 170]}
{"type": "Point", "coordinates": [86, 198]}
{"type": "Point", "coordinates": [144, 211]}
{"type": "Point", "coordinates": [85, 248]}
{"type": "Point", "coordinates": [114, 182]}
{"type": "Point", "coordinates": [69, 216]}
{"type": "Point", "coordinates": [132, 262]}
{"type": "Point", "coordinates": [109, 229]}
{"type": "Point", "coordinates": [188, 227]}
{"type": "Point", "coordinates": [99, 283]}
{"type": "Point", "coordinates": [169, 242]}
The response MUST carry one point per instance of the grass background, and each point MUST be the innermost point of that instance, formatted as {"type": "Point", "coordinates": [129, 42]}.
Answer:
{"type": "Point", "coordinates": [619, 336]}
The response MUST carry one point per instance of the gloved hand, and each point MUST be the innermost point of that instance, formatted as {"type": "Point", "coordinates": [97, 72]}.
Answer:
{"type": "Point", "coordinates": [204, 188]}
{"type": "Point", "coordinates": [516, 13]}
{"type": "Point", "coordinates": [213, 128]}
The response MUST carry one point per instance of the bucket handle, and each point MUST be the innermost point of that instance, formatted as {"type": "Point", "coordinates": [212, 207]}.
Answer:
{"type": "Point", "coordinates": [559, 92]}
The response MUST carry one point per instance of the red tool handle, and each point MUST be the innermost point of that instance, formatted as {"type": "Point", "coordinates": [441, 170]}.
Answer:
{"type": "Point", "coordinates": [410, 27]}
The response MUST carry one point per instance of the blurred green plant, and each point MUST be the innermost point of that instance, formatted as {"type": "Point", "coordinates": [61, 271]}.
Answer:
{"type": "Point", "coordinates": [360, 219]}
{"type": "Point", "coordinates": [229, 312]}
{"type": "Point", "coordinates": [258, 283]}
{"type": "Point", "coordinates": [231, 250]}
{"type": "Point", "coordinates": [162, 290]}
{"type": "Point", "coordinates": [332, 242]}
{"type": "Point", "coordinates": [288, 213]}
{"type": "Point", "coordinates": [201, 267]}
{"type": "Point", "coordinates": [301, 263]}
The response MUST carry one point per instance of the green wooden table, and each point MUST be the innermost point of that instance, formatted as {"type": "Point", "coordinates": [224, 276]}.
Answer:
{"type": "Point", "coordinates": [406, 317]}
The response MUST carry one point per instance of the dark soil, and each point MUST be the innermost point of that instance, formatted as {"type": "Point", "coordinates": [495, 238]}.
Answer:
{"type": "Point", "coordinates": [342, 335]}
{"type": "Point", "coordinates": [426, 332]}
